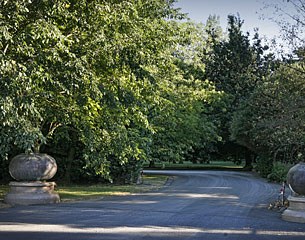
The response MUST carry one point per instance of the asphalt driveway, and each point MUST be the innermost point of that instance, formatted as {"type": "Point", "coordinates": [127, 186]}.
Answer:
{"type": "Point", "coordinates": [194, 205]}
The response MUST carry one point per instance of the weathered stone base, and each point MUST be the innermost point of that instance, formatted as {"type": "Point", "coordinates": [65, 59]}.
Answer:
{"type": "Point", "coordinates": [296, 210]}
{"type": "Point", "coordinates": [30, 193]}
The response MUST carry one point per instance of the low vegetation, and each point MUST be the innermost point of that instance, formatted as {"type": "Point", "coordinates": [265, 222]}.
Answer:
{"type": "Point", "coordinates": [85, 192]}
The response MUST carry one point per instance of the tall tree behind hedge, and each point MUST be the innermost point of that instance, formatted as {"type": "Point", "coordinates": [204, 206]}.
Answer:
{"type": "Point", "coordinates": [235, 66]}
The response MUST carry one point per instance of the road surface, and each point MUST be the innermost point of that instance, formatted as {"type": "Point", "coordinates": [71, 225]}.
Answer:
{"type": "Point", "coordinates": [193, 205]}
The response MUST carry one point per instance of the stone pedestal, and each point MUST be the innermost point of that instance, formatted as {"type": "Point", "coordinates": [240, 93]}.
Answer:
{"type": "Point", "coordinates": [31, 172]}
{"type": "Point", "coordinates": [296, 182]}
{"type": "Point", "coordinates": [30, 193]}
{"type": "Point", "coordinates": [296, 210]}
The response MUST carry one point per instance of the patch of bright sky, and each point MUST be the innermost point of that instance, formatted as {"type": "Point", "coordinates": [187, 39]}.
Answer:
{"type": "Point", "coordinates": [249, 10]}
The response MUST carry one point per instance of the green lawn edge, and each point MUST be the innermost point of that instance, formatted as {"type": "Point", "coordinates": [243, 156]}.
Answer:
{"type": "Point", "coordinates": [187, 165]}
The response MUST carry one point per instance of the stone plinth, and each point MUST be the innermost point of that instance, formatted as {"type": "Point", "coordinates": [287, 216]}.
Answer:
{"type": "Point", "coordinates": [30, 193]}
{"type": "Point", "coordinates": [296, 210]}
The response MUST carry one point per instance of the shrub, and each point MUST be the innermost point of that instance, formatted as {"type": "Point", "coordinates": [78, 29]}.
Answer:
{"type": "Point", "coordinates": [264, 166]}
{"type": "Point", "coordinates": [279, 172]}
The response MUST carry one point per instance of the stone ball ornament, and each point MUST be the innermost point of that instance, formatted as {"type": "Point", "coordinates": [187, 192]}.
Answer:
{"type": "Point", "coordinates": [296, 179]}
{"type": "Point", "coordinates": [33, 167]}
{"type": "Point", "coordinates": [31, 172]}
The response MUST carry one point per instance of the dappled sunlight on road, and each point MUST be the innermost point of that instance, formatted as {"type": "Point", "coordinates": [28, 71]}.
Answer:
{"type": "Point", "coordinates": [195, 195]}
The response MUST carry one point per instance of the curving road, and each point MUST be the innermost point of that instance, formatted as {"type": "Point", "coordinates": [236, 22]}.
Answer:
{"type": "Point", "coordinates": [192, 205]}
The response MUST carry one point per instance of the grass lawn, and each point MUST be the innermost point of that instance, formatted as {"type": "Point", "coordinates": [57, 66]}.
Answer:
{"type": "Point", "coordinates": [85, 192]}
{"type": "Point", "coordinates": [187, 165]}
{"type": "Point", "coordinates": [3, 191]}
{"type": "Point", "coordinates": [82, 192]}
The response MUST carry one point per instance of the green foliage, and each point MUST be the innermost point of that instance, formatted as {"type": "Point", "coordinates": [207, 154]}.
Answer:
{"type": "Point", "coordinates": [231, 63]}
{"type": "Point", "coordinates": [264, 165]}
{"type": "Point", "coordinates": [106, 85]}
{"type": "Point", "coordinates": [184, 126]}
{"type": "Point", "coordinates": [279, 172]}
{"type": "Point", "coordinates": [235, 66]}
{"type": "Point", "coordinates": [271, 121]}
{"type": "Point", "coordinates": [101, 85]}
{"type": "Point", "coordinates": [272, 170]}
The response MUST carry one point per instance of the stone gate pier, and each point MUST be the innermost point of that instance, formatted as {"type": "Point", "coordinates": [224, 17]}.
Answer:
{"type": "Point", "coordinates": [31, 172]}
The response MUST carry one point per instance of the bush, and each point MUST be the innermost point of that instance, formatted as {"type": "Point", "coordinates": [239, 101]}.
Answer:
{"type": "Point", "coordinates": [264, 166]}
{"type": "Point", "coordinates": [279, 172]}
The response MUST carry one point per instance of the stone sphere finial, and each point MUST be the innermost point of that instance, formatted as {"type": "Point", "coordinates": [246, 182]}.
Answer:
{"type": "Point", "coordinates": [296, 178]}
{"type": "Point", "coordinates": [33, 167]}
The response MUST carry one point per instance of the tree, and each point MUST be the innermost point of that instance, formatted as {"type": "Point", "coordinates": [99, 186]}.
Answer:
{"type": "Point", "coordinates": [88, 85]}
{"type": "Point", "coordinates": [53, 58]}
{"type": "Point", "coordinates": [270, 122]}
{"type": "Point", "coordinates": [236, 67]}
{"type": "Point", "coordinates": [289, 16]}
{"type": "Point", "coordinates": [177, 119]}
{"type": "Point", "coordinates": [43, 81]}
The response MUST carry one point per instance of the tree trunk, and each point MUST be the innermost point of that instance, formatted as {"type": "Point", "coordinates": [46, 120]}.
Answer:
{"type": "Point", "coordinates": [70, 158]}
{"type": "Point", "coordinates": [152, 164]}
{"type": "Point", "coordinates": [248, 158]}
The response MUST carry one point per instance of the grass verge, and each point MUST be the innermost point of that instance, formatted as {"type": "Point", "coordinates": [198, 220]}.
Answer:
{"type": "Point", "coordinates": [86, 192]}
{"type": "Point", "coordinates": [187, 165]}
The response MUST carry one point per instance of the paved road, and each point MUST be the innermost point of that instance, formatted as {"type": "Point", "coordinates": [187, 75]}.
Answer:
{"type": "Point", "coordinates": [195, 205]}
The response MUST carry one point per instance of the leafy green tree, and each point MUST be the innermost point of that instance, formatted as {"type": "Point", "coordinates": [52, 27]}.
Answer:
{"type": "Point", "coordinates": [235, 66]}
{"type": "Point", "coordinates": [89, 81]}
{"type": "Point", "coordinates": [271, 121]}
{"type": "Point", "coordinates": [181, 120]}
{"type": "Point", "coordinates": [43, 80]}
